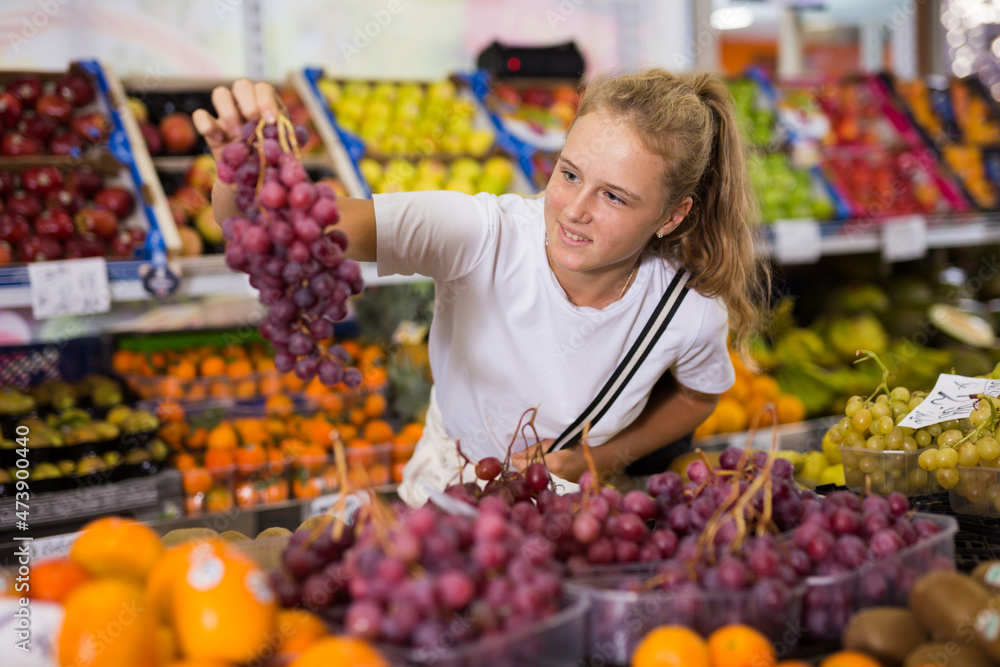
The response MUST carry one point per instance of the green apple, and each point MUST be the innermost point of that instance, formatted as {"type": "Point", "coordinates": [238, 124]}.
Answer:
{"type": "Point", "coordinates": [460, 185]}
{"type": "Point", "coordinates": [478, 142]}
{"type": "Point", "coordinates": [378, 109]}
{"type": "Point", "coordinates": [466, 168]}
{"type": "Point", "coordinates": [371, 170]}
{"type": "Point", "coordinates": [400, 170]}
{"type": "Point", "coordinates": [408, 109]}
{"type": "Point", "coordinates": [499, 167]}
{"type": "Point", "coordinates": [349, 108]}
{"type": "Point", "coordinates": [410, 91]}
{"type": "Point", "coordinates": [373, 128]}
{"type": "Point", "coordinates": [395, 143]}
{"type": "Point", "coordinates": [330, 90]}
{"type": "Point", "coordinates": [452, 143]}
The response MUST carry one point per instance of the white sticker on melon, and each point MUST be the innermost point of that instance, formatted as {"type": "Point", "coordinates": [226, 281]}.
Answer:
{"type": "Point", "coordinates": [204, 575]}
{"type": "Point", "coordinates": [259, 586]}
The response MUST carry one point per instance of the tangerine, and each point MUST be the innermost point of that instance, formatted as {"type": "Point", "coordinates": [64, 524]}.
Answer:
{"type": "Point", "coordinates": [223, 436]}
{"type": "Point", "coordinates": [105, 625]}
{"type": "Point", "coordinates": [340, 651]}
{"type": "Point", "coordinates": [849, 659]}
{"type": "Point", "coordinates": [239, 368]}
{"type": "Point", "coordinates": [730, 415]}
{"type": "Point", "coordinates": [413, 431]}
{"type": "Point", "coordinates": [378, 431]}
{"type": "Point", "coordinates": [212, 366]}
{"type": "Point", "coordinates": [375, 405]}
{"type": "Point", "coordinates": [740, 645]}
{"type": "Point", "coordinates": [55, 579]}
{"type": "Point", "coordinates": [790, 409]}
{"type": "Point", "coordinates": [279, 404]}
{"type": "Point", "coordinates": [218, 499]}
{"type": "Point", "coordinates": [114, 547]}
{"type": "Point", "coordinates": [765, 387]}
{"type": "Point", "coordinates": [671, 646]}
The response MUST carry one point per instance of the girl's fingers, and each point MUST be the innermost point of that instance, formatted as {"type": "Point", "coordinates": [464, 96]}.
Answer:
{"type": "Point", "coordinates": [244, 94]}
{"type": "Point", "coordinates": [225, 105]}
{"type": "Point", "coordinates": [267, 100]}
{"type": "Point", "coordinates": [209, 127]}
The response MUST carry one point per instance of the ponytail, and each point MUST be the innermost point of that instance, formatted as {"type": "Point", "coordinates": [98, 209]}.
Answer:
{"type": "Point", "coordinates": [690, 121]}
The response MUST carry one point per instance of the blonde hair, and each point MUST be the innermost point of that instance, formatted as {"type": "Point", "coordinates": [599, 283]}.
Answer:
{"type": "Point", "coordinates": [689, 120]}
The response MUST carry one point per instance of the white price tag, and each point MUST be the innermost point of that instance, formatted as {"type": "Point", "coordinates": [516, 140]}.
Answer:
{"type": "Point", "coordinates": [797, 241]}
{"type": "Point", "coordinates": [904, 238]}
{"type": "Point", "coordinates": [324, 505]}
{"type": "Point", "coordinates": [950, 399]}
{"type": "Point", "coordinates": [70, 287]}
{"type": "Point", "coordinates": [56, 546]}
{"type": "Point", "coordinates": [448, 504]}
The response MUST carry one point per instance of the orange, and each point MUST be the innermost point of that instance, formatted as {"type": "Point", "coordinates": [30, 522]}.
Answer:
{"type": "Point", "coordinates": [332, 404]}
{"type": "Point", "coordinates": [360, 452]}
{"type": "Point", "coordinates": [240, 368]}
{"type": "Point", "coordinates": [707, 427]}
{"type": "Point", "coordinates": [198, 663]}
{"type": "Point", "coordinates": [375, 405]}
{"type": "Point", "coordinates": [218, 458]}
{"type": "Point", "coordinates": [198, 438]}
{"type": "Point", "coordinates": [378, 431]}
{"type": "Point", "coordinates": [170, 388]}
{"type": "Point", "coordinates": [223, 436]}
{"type": "Point", "coordinates": [218, 499]}
{"type": "Point", "coordinates": [183, 369]}
{"type": "Point", "coordinates": [246, 495]}
{"type": "Point", "coordinates": [279, 404]}
{"type": "Point", "coordinates": [116, 547]}
{"type": "Point", "coordinates": [375, 377]}
{"type": "Point", "coordinates": [174, 433]}
{"type": "Point", "coordinates": [122, 361]}
{"type": "Point", "coordinates": [765, 386]}
{"type": "Point", "coordinates": [379, 474]}
{"type": "Point", "coordinates": [166, 646]}
{"type": "Point", "coordinates": [211, 366]}
{"type": "Point", "coordinates": [341, 651]}
{"type": "Point", "coordinates": [413, 431]}
{"type": "Point", "coordinates": [184, 461]}
{"type": "Point", "coordinates": [758, 410]}
{"type": "Point", "coordinates": [347, 431]}
{"type": "Point", "coordinates": [245, 389]}
{"type": "Point", "coordinates": [306, 486]}
{"type": "Point", "coordinates": [270, 384]}
{"type": "Point", "coordinates": [167, 572]}
{"type": "Point", "coordinates": [793, 663]}
{"type": "Point", "coordinates": [222, 606]}
{"type": "Point", "coordinates": [300, 629]}
{"type": "Point", "coordinates": [671, 646]}
{"type": "Point", "coordinates": [849, 659]}
{"type": "Point", "coordinates": [170, 411]}
{"type": "Point", "coordinates": [352, 348]}
{"type": "Point", "coordinates": [317, 431]}
{"type": "Point", "coordinates": [275, 492]}
{"type": "Point", "coordinates": [741, 389]}
{"type": "Point", "coordinates": [251, 431]}
{"type": "Point", "coordinates": [55, 579]}
{"type": "Point", "coordinates": [730, 415]}
{"type": "Point", "coordinates": [740, 645]}
{"type": "Point", "coordinates": [356, 416]}
{"type": "Point", "coordinates": [105, 624]}
{"type": "Point", "coordinates": [196, 480]}
{"type": "Point", "coordinates": [790, 409]}
{"type": "Point", "coordinates": [250, 455]}
{"type": "Point", "coordinates": [221, 389]}
{"type": "Point", "coordinates": [397, 471]}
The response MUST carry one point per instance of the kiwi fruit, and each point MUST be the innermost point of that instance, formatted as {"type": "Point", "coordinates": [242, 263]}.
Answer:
{"type": "Point", "coordinates": [233, 536]}
{"type": "Point", "coordinates": [182, 535]}
{"type": "Point", "coordinates": [316, 522]}
{"type": "Point", "coordinates": [952, 654]}
{"type": "Point", "coordinates": [955, 606]}
{"type": "Point", "coordinates": [988, 575]}
{"type": "Point", "coordinates": [885, 633]}
{"type": "Point", "coordinates": [277, 531]}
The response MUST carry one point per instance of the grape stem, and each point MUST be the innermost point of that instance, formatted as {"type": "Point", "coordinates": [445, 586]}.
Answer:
{"type": "Point", "coordinates": [989, 424]}
{"type": "Point", "coordinates": [884, 384]}
{"type": "Point", "coordinates": [510, 447]}
{"type": "Point", "coordinates": [595, 478]}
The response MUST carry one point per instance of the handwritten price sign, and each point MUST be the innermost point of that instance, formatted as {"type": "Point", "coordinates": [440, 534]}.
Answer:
{"type": "Point", "coordinates": [70, 287]}
{"type": "Point", "coordinates": [950, 399]}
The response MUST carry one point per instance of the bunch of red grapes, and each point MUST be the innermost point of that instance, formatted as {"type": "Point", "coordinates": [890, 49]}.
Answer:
{"type": "Point", "coordinates": [286, 241]}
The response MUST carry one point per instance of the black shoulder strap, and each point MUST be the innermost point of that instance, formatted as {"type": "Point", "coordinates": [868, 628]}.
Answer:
{"type": "Point", "coordinates": [654, 328]}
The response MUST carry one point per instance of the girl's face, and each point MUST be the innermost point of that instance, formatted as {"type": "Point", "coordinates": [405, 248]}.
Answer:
{"type": "Point", "coordinates": [604, 201]}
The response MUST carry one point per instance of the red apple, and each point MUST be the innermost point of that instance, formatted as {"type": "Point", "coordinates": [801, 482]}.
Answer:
{"type": "Point", "coordinates": [65, 143]}
{"type": "Point", "coordinates": [14, 144]}
{"type": "Point", "coordinates": [64, 200]}
{"type": "Point", "coordinates": [118, 200]}
{"type": "Point", "coordinates": [75, 89]}
{"type": "Point", "coordinates": [13, 227]}
{"type": "Point", "coordinates": [152, 136]}
{"type": "Point", "coordinates": [85, 245]}
{"type": "Point", "coordinates": [54, 107]}
{"type": "Point", "coordinates": [40, 181]}
{"type": "Point", "coordinates": [55, 224]}
{"type": "Point", "coordinates": [122, 245]}
{"type": "Point", "coordinates": [178, 133]}
{"type": "Point", "coordinates": [37, 127]}
{"type": "Point", "coordinates": [6, 253]}
{"type": "Point", "coordinates": [24, 204]}
{"type": "Point", "coordinates": [7, 184]}
{"type": "Point", "coordinates": [92, 127]}
{"type": "Point", "coordinates": [177, 211]}
{"type": "Point", "coordinates": [27, 87]}
{"type": "Point", "coordinates": [39, 249]}
{"type": "Point", "coordinates": [10, 109]}
{"type": "Point", "coordinates": [100, 222]}
{"type": "Point", "coordinates": [191, 201]}
{"type": "Point", "coordinates": [86, 180]}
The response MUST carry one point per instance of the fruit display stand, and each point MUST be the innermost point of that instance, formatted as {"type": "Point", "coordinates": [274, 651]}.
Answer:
{"type": "Point", "coordinates": [434, 136]}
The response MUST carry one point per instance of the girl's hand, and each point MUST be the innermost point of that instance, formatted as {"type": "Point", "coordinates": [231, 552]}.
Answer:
{"type": "Point", "coordinates": [567, 463]}
{"type": "Point", "coordinates": [246, 101]}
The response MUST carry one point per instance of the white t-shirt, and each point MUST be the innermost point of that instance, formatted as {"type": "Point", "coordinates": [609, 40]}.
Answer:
{"type": "Point", "coordinates": [505, 338]}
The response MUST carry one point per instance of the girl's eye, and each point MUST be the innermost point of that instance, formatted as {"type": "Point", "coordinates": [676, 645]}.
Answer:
{"type": "Point", "coordinates": [570, 176]}
{"type": "Point", "coordinates": [614, 199]}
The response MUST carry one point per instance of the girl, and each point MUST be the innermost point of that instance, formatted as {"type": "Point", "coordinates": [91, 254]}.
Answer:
{"type": "Point", "coordinates": [538, 300]}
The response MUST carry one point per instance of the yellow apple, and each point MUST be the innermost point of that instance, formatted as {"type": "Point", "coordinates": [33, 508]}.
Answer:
{"type": "Point", "coordinates": [492, 185]}
{"type": "Point", "coordinates": [349, 108]}
{"type": "Point", "coordinates": [330, 90]}
{"type": "Point", "coordinates": [441, 90]}
{"type": "Point", "coordinates": [478, 142]}
{"type": "Point", "coordinates": [138, 108]}
{"type": "Point", "coordinates": [358, 90]}
{"type": "Point", "coordinates": [452, 143]}
{"type": "Point", "coordinates": [466, 168]}
{"type": "Point", "coordinates": [378, 109]}
{"type": "Point", "coordinates": [395, 143]}
{"type": "Point", "coordinates": [499, 167]}
{"type": "Point", "coordinates": [371, 170]}
{"type": "Point", "coordinates": [460, 185]}
{"type": "Point", "coordinates": [410, 91]}
{"type": "Point", "coordinates": [408, 109]}
{"type": "Point", "coordinates": [384, 90]}
{"type": "Point", "coordinates": [425, 183]}
{"type": "Point", "coordinates": [432, 168]}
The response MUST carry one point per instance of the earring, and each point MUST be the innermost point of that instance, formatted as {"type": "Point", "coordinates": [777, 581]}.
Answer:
{"type": "Point", "coordinates": [660, 235]}
{"type": "Point", "coordinates": [546, 240]}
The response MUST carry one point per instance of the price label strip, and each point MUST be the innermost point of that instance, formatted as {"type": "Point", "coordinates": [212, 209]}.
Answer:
{"type": "Point", "coordinates": [324, 504]}
{"type": "Point", "coordinates": [904, 238]}
{"type": "Point", "coordinates": [950, 399]}
{"type": "Point", "coordinates": [69, 287]}
{"type": "Point", "coordinates": [797, 241]}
